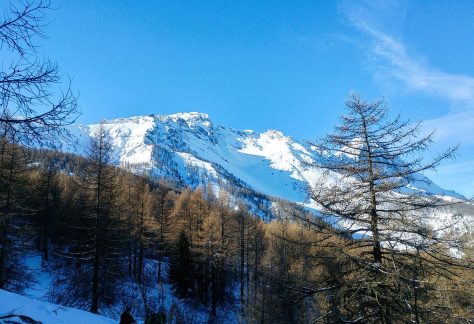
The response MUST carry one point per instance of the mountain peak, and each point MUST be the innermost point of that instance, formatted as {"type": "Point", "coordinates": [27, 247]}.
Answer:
{"type": "Point", "coordinates": [191, 118]}
{"type": "Point", "coordinates": [192, 115]}
{"type": "Point", "coordinates": [273, 133]}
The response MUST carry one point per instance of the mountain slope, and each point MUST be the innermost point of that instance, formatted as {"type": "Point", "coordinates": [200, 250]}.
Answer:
{"type": "Point", "coordinates": [187, 147]}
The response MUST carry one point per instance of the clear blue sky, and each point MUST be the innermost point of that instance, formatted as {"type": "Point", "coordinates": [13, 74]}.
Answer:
{"type": "Point", "coordinates": [286, 65]}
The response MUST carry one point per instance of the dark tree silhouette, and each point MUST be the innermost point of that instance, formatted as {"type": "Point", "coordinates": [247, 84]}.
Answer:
{"type": "Point", "coordinates": [181, 267]}
{"type": "Point", "coordinates": [32, 102]}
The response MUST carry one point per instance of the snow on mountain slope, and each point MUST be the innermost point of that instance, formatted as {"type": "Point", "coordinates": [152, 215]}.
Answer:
{"type": "Point", "coordinates": [189, 148]}
{"type": "Point", "coordinates": [17, 305]}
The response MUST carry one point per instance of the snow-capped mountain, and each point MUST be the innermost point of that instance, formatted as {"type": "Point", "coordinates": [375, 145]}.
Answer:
{"type": "Point", "coordinates": [189, 148]}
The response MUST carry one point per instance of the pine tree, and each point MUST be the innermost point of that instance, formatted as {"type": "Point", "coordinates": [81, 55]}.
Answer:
{"type": "Point", "coordinates": [181, 267]}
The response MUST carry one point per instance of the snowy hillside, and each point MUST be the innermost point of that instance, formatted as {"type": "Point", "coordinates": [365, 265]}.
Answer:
{"type": "Point", "coordinates": [19, 309]}
{"type": "Point", "coordinates": [187, 147]}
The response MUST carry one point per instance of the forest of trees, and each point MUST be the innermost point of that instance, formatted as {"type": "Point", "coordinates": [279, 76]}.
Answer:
{"type": "Point", "coordinates": [110, 238]}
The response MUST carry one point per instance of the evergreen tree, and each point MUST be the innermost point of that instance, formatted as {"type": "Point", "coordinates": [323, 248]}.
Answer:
{"type": "Point", "coordinates": [182, 267]}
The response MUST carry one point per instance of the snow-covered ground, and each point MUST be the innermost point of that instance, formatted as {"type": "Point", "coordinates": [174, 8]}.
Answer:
{"type": "Point", "coordinates": [35, 300]}
{"type": "Point", "coordinates": [17, 305]}
{"type": "Point", "coordinates": [39, 289]}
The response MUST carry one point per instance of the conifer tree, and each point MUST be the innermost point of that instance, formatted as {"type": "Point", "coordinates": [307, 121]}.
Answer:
{"type": "Point", "coordinates": [181, 213]}
{"type": "Point", "coordinates": [44, 193]}
{"type": "Point", "coordinates": [212, 263]}
{"type": "Point", "coordinates": [371, 161]}
{"type": "Point", "coordinates": [16, 229]}
{"type": "Point", "coordinates": [140, 215]}
{"type": "Point", "coordinates": [182, 267]}
{"type": "Point", "coordinates": [162, 206]}
{"type": "Point", "coordinates": [96, 236]}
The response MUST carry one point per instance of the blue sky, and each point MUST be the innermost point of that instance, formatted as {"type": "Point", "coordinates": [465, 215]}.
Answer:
{"type": "Point", "coordinates": [286, 65]}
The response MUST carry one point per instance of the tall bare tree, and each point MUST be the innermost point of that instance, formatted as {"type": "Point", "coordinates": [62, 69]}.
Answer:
{"type": "Point", "coordinates": [15, 222]}
{"type": "Point", "coordinates": [95, 238]}
{"type": "Point", "coordinates": [31, 99]}
{"type": "Point", "coordinates": [102, 183]}
{"type": "Point", "coordinates": [373, 166]}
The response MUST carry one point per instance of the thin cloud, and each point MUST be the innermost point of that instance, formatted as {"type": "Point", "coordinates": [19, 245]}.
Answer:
{"type": "Point", "coordinates": [395, 62]}
{"type": "Point", "coordinates": [416, 75]}
{"type": "Point", "coordinates": [453, 127]}
{"type": "Point", "coordinates": [460, 168]}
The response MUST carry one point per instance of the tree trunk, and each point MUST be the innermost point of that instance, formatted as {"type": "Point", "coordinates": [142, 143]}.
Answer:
{"type": "Point", "coordinates": [44, 236]}
{"type": "Point", "coordinates": [242, 258]}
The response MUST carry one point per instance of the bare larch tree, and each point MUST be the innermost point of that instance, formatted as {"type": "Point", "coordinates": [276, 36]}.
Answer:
{"type": "Point", "coordinates": [372, 191]}
{"type": "Point", "coordinates": [32, 103]}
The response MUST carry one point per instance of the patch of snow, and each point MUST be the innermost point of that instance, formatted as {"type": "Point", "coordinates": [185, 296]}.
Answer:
{"type": "Point", "coordinates": [42, 278]}
{"type": "Point", "coordinates": [44, 312]}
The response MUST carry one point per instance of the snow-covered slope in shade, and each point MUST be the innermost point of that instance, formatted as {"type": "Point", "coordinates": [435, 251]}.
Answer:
{"type": "Point", "coordinates": [189, 148]}
{"type": "Point", "coordinates": [17, 305]}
